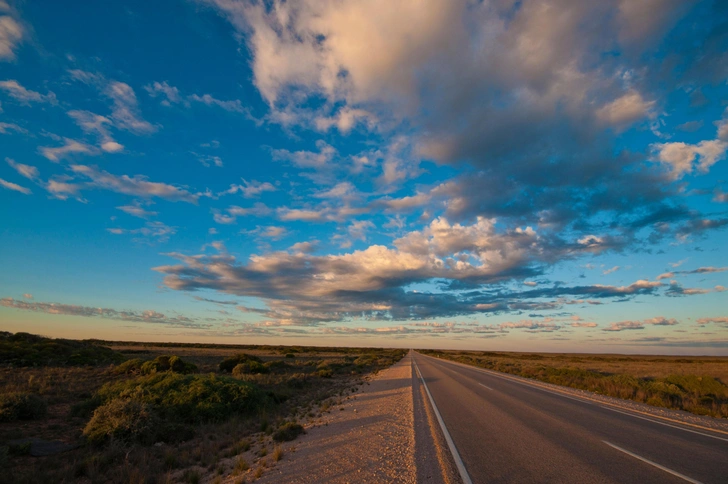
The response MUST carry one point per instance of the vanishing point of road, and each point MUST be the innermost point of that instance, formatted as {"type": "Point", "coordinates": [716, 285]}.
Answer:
{"type": "Point", "coordinates": [504, 429]}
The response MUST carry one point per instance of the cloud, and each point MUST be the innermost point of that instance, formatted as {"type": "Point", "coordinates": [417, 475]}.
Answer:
{"type": "Point", "coordinates": [28, 296]}
{"type": "Point", "coordinates": [125, 111]}
{"type": "Point", "coordinates": [208, 160]}
{"type": "Point", "coordinates": [6, 127]}
{"type": "Point", "coordinates": [97, 124]}
{"type": "Point", "coordinates": [250, 189]}
{"type": "Point", "coordinates": [26, 96]}
{"type": "Point", "coordinates": [613, 269]}
{"type": "Point", "coordinates": [170, 93]}
{"type": "Point", "coordinates": [29, 172]}
{"type": "Point", "coordinates": [151, 230]}
{"type": "Point", "coordinates": [11, 34]}
{"type": "Point", "coordinates": [136, 210]}
{"type": "Point", "coordinates": [681, 158]}
{"type": "Point", "coordinates": [233, 212]}
{"type": "Point", "coordinates": [148, 316]}
{"type": "Point", "coordinates": [723, 321]}
{"type": "Point", "coordinates": [137, 185]}
{"type": "Point", "coordinates": [625, 110]}
{"type": "Point", "coordinates": [70, 149]}
{"type": "Point", "coordinates": [15, 187]}
{"type": "Point", "coordinates": [373, 282]}
{"type": "Point", "coordinates": [233, 106]}
{"type": "Point", "coordinates": [308, 159]}
{"type": "Point", "coordinates": [634, 325]}
{"type": "Point", "coordinates": [583, 324]}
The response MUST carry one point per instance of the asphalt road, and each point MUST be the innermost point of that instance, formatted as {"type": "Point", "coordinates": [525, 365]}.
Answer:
{"type": "Point", "coordinates": [506, 431]}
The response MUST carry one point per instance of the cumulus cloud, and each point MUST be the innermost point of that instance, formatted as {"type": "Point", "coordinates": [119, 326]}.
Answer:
{"type": "Point", "coordinates": [26, 96]}
{"type": "Point", "coordinates": [683, 158]}
{"type": "Point", "coordinates": [722, 320]}
{"type": "Point", "coordinates": [96, 124]}
{"type": "Point", "coordinates": [373, 282]}
{"type": "Point", "coordinates": [249, 189]}
{"type": "Point", "coordinates": [148, 316]}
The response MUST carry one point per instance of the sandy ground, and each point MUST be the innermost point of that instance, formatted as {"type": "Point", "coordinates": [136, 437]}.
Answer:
{"type": "Point", "coordinates": [368, 439]}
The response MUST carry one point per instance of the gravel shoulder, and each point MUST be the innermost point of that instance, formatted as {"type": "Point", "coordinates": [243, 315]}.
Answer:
{"type": "Point", "coordinates": [369, 438]}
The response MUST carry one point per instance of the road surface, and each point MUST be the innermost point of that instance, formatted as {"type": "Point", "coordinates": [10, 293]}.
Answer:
{"type": "Point", "coordinates": [504, 430]}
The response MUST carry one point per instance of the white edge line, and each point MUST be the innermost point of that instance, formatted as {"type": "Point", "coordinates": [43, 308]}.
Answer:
{"type": "Point", "coordinates": [456, 456]}
{"type": "Point", "coordinates": [486, 386]}
{"type": "Point", "coordinates": [598, 404]}
{"type": "Point", "coordinates": [669, 471]}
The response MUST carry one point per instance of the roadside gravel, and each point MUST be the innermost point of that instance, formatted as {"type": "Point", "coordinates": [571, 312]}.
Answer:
{"type": "Point", "coordinates": [369, 438]}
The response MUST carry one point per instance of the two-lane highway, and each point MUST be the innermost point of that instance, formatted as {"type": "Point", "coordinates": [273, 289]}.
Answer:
{"type": "Point", "coordinates": [510, 431]}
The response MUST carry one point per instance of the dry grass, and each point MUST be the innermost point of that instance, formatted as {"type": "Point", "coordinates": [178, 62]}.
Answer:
{"type": "Point", "coordinates": [695, 384]}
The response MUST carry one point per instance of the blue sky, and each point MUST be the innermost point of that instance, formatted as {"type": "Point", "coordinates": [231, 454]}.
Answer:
{"type": "Point", "coordinates": [488, 175]}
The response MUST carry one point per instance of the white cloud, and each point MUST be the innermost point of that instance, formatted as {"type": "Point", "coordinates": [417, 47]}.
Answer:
{"type": "Point", "coordinates": [636, 325]}
{"type": "Point", "coordinates": [26, 96]}
{"type": "Point", "coordinates": [151, 230]}
{"type": "Point", "coordinates": [613, 269]}
{"type": "Point", "coordinates": [96, 124]}
{"type": "Point", "coordinates": [125, 111]}
{"type": "Point", "coordinates": [29, 172]}
{"type": "Point", "coordinates": [15, 187]}
{"type": "Point", "coordinates": [137, 185]}
{"type": "Point", "coordinates": [308, 159]}
{"type": "Point", "coordinates": [69, 149]}
{"type": "Point", "coordinates": [681, 157]}
{"type": "Point", "coordinates": [625, 110]}
{"type": "Point", "coordinates": [234, 105]}
{"type": "Point", "coordinates": [137, 210]}
{"type": "Point", "coordinates": [171, 93]}
{"type": "Point", "coordinates": [5, 127]}
{"type": "Point", "coordinates": [11, 33]}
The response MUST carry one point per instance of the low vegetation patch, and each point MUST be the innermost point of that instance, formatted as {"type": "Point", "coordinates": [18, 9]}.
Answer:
{"type": "Point", "coordinates": [173, 413]}
{"type": "Point", "coordinates": [617, 376]}
{"type": "Point", "coordinates": [21, 406]}
{"type": "Point", "coordinates": [24, 350]}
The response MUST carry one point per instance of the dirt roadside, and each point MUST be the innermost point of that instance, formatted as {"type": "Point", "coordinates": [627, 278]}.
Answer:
{"type": "Point", "coordinates": [370, 438]}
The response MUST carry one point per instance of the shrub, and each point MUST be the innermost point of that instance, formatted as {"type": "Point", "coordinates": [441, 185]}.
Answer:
{"type": "Point", "coordinates": [290, 355]}
{"type": "Point", "coordinates": [130, 367]}
{"type": "Point", "coordinates": [21, 406]}
{"type": "Point", "coordinates": [276, 365]}
{"type": "Point", "coordinates": [188, 398]}
{"type": "Point", "coordinates": [326, 373]}
{"type": "Point", "coordinates": [231, 362]}
{"type": "Point", "coordinates": [168, 363]}
{"type": "Point", "coordinates": [24, 349]}
{"type": "Point", "coordinates": [125, 420]}
{"type": "Point", "coordinates": [250, 368]}
{"type": "Point", "coordinates": [85, 408]}
{"type": "Point", "coordinates": [288, 431]}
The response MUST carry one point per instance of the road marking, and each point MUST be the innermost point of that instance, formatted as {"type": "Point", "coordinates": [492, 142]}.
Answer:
{"type": "Point", "coordinates": [455, 455]}
{"type": "Point", "coordinates": [486, 386]}
{"type": "Point", "coordinates": [669, 471]}
{"type": "Point", "coordinates": [588, 401]}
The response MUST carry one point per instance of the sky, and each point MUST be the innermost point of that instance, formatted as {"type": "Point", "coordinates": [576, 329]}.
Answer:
{"type": "Point", "coordinates": [497, 175]}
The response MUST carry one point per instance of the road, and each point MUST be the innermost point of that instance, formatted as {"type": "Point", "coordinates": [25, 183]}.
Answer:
{"type": "Point", "coordinates": [508, 431]}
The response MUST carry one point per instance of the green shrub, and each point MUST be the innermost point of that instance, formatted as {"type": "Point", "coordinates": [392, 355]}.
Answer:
{"type": "Point", "coordinates": [168, 363]}
{"type": "Point", "coordinates": [21, 406]}
{"type": "Point", "coordinates": [85, 408]}
{"type": "Point", "coordinates": [188, 398]}
{"type": "Point", "coordinates": [288, 431]}
{"type": "Point", "coordinates": [130, 367]}
{"type": "Point", "coordinates": [290, 355]}
{"type": "Point", "coordinates": [231, 362]}
{"type": "Point", "coordinates": [250, 368]}
{"type": "Point", "coordinates": [124, 420]}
